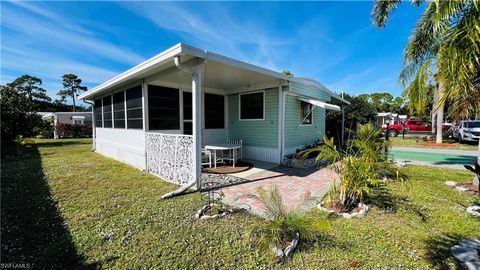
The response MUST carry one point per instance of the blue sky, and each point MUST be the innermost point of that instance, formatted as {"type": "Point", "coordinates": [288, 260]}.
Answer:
{"type": "Point", "coordinates": [332, 42]}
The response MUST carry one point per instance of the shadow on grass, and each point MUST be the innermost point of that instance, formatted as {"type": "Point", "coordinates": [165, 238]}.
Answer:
{"type": "Point", "coordinates": [386, 201]}
{"type": "Point", "coordinates": [438, 250]}
{"type": "Point", "coordinates": [63, 142]}
{"type": "Point", "coordinates": [33, 231]}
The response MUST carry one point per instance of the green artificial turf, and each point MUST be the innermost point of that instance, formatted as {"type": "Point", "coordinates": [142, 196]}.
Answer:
{"type": "Point", "coordinates": [434, 158]}
{"type": "Point", "coordinates": [64, 206]}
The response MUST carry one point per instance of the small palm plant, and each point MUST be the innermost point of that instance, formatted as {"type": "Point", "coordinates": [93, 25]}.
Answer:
{"type": "Point", "coordinates": [476, 170]}
{"type": "Point", "coordinates": [283, 228]}
{"type": "Point", "coordinates": [361, 165]}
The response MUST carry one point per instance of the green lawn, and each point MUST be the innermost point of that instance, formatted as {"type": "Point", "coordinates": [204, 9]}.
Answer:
{"type": "Point", "coordinates": [410, 141]}
{"type": "Point", "coordinates": [64, 206]}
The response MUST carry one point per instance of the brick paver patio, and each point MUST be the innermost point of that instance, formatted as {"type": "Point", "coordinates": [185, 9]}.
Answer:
{"type": "Point", "coordinates": [294, 184]}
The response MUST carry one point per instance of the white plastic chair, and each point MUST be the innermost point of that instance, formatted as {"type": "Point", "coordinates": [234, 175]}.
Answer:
{"type": "Point", "coordinates": [239, 151]}
{"type": "Point", "coordinates": [207, 157]}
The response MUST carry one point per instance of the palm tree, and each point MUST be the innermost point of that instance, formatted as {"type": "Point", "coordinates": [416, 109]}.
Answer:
{"type": "Point", "coordinates": [445, 40]}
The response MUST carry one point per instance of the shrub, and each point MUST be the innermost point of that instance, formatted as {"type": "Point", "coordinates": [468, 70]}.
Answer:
{"type": "Point", "coordinates": [361, 166]}
{"type": "Point", "coordinates": [281, 225]}
{"type": "Point", "coordinates": [44, 128]}
{"type": "Point", "coordinates": [17, 120]}
{"type": "Point", "coordinates": [73, 131]}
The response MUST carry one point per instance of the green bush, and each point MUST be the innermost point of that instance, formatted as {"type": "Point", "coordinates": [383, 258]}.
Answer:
{"type": "Point", "coordinates": [44, 129]}
{"type": "Point", "coordinates": [281, 225]}
{"type": "Point", "coordinates": [17, 120]}
{"type": "Point", "coordinates": [73, 131]}
{"type": "Point", "coordinates": [361, 166]}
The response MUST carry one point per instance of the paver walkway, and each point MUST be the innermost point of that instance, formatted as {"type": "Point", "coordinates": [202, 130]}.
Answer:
{"type": "Point", "coordinates": [294, 184]}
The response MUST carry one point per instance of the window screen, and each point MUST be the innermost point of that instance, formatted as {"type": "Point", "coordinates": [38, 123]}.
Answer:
{"type": "Point", "coordinates": [98, 113]}
{"type": "Point", "coordinates": [306, 113]}
{"type": "Point", "coordinates": [251, 106]}
{"type": "Point", "coordinates": [163, 108]}
{"type": "Point", "coordinates": [119, 110]}
{"type": "Point", "coordinates": [214, 111]}
{"type": "Point", "coordinates": [107, 111]}
{"type": "Point", "coordinates": [134, 107]}
{"type": "Point", "coordinates": [187, 106]}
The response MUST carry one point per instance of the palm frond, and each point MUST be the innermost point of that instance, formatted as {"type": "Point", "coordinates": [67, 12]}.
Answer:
{"type": "Point", "coordinates": [381, 10]}
{"type": "Point", "coordinates": [418, 90]}
{"type": "Point", "coordinates": [423, 43]}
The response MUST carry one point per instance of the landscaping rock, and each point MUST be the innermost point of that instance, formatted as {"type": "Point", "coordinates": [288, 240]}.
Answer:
{"type": "Point", "coordinates": [467, 252]}
{"type": "Point", "coordinates": [278, 252]}
{"type": "Point", "coordinates": [471, 265]}
{"type": "Point", "coordinates": [361, 213]}
{"type": "Point", "coordinates": [292, 246]}
{"type": "Point", "coordinates": [464, 254]}
{"type": "Point", "coordinates": [451, 183]}
{"type": "Point", "coordinates": [462, 189]}
{"type": "Point", "coordinates": [470, 243]}
{"type": "Point", "coordinates": [200, 214]}
{"type": "Point", "coordinates": [474, 210]}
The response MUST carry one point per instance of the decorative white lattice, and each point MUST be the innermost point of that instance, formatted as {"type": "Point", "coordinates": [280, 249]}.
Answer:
{"type": "Point", "coordinates": [170, 156]}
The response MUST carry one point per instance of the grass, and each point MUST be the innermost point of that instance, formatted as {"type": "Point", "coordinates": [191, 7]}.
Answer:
{"type": "Point", "coordinates": [410, 141]}
{"type": "Point", "coordinates": [64, 206]}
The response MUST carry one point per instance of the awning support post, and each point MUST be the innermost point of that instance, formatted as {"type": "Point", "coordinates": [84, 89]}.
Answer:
{"type": "Point", "coordinates": [196, 73]}
{"type": "Point", "coordinates": [197, 126]}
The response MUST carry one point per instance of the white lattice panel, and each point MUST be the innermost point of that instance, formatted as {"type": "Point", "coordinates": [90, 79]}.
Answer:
{"type": "Point", "coordinates": [170, 156]}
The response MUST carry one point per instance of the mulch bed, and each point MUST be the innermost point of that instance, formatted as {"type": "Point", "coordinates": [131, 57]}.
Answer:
{"type": "Point", "coordinates": [240, 166]}
{"type": "Point", "coordinates": [339, 208]}
{"type": "Point", "coordinates": [471, 188]}
{"type": "Point", "coordinates": [438, 145]}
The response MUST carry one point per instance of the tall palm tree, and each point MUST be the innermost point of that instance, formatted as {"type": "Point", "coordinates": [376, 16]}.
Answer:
{"type": "Point", "coordinates": [446, 39]}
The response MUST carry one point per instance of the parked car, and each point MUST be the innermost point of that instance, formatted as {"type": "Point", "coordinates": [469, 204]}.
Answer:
{"type": "Point", "coordinates": [412, 125]}
{"type": "Point", "coordinates": [467, 130]}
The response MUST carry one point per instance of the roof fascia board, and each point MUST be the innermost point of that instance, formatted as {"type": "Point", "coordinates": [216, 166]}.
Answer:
{"type": "Point", "coordinates": [321, 87]}
{"type": "Point", "coordinates": [237, 63]}
{"type": "Point", "coordinates": [259, 86]}
{"type": "Point", "coordinates": [177, 49]}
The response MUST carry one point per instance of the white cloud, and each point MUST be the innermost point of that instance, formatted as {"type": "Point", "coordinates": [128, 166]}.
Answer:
{"type": "Point", "coordinates": [218, 31]}
{"type": "Point", "coordinates": [51, 66]}
{"type": "Point", "coordinates": [57, 32]}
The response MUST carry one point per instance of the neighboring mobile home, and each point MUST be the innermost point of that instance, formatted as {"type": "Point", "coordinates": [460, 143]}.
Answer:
{"type": "Point", "coordinates": [72, 118]}
{"type": "Point", "coordinates": [158, 115]}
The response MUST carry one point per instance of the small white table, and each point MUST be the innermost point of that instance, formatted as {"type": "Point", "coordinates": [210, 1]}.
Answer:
{"type": "Point", "coordinates": [231, 148]}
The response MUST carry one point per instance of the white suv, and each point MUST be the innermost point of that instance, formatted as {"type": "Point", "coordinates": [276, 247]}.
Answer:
{"type": "Point", "coordinates": [467, 130]}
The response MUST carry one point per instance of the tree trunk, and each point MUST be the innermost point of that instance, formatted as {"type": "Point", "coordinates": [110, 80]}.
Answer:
{"type": "Point", "coordinates": [73, 98]}
{"type": "Point", "coordinates": [434, 109]}
{"type": "Point", "coordinates": [439, 114]}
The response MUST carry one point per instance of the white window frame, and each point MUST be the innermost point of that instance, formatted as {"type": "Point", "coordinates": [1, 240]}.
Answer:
{"type": "Point", "coordinates": [240, 106]}
{"type": "Point", "coordinates": [303, 117]}
{"type": "Point", "coordinates": [81, 121]}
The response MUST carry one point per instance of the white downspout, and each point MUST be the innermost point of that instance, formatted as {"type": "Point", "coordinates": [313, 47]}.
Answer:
{"type": "Point", "coordinates": [93, 123]}
{"type": "Point", "coordinates": [196, 74]}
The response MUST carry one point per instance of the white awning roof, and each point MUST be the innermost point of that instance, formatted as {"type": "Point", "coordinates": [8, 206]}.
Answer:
{"type": "Point", "coordinates": [78, 117]}
{"type": "Point", "coordinates": [220, 72]}
{"type": "Point", "coordinates": [321, 104]}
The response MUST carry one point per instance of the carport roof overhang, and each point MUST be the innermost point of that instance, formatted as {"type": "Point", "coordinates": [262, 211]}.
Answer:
{"type": "Point", "coordinates": [221, 72]}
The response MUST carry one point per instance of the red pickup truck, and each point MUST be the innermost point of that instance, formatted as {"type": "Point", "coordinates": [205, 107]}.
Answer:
{"type": "Point", "coordinates": [411, 125]}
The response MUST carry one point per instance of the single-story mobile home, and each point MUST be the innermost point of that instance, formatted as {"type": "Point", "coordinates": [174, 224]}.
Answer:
{"type": "Point", "coordinates": [72, 118]}
{"type": "Point", "coordinates": [160, 114]}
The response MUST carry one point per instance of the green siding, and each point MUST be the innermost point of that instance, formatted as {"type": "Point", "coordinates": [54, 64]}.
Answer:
{"type": "Point", "coordinates": [309, 91]}
{"type": "Point", "coordinates": [298, 136]}
{"type": "Point", "coordinates": [260, 133]}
